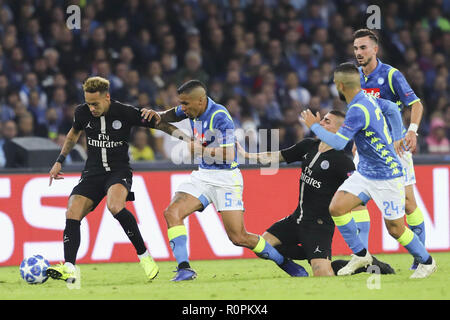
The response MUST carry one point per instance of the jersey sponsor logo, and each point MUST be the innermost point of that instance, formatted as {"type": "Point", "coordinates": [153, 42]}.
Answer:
{"type": "Point", "coordinates": [374, 92]}
{"type": "Point", "coordinates": [200, 137]}
{"type": "Point", "coordinates": [104, 142]}
{"type": "Point", "coordinates": [117, 124]}
{"type": "Point", "coordinates": [305, 177]}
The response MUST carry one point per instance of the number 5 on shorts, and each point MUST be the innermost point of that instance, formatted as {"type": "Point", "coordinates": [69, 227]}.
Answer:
{"type": "Point", "coordinates": [228, 200]}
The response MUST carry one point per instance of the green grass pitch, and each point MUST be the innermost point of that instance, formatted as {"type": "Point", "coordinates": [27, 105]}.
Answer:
{"type": "Point", "coordinates": [237, 279]}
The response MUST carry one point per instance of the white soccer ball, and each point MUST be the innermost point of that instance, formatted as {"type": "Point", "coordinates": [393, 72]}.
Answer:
{"type": "Point", "coordinates": [34, 269]}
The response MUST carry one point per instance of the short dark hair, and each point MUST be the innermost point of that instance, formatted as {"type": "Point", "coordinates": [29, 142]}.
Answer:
{"type": "Point", "coordinates": [346, 67]}
{"type": "Point", "coordinates": [190, 85]}
{"type": "Point", "coordinates": [337, 113]}
{"type": "Point", "coordinates": [365, 33]}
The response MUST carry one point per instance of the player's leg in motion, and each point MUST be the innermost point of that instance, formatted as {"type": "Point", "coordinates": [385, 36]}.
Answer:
{"type": "Point", "coordinates": [181, 206]}
{"type": "Point", "coordinates": [233, 221]}
{"type": "Point", "coordinates": [414, 218]}
{"type": "Point", "coordinates": [341, 205]}
{"type": "Point", "coordinates": [415, 247]}
{"type": "Point", "coordinates": [362, 219]}
{"type": "Point", "coordinates": [78, 207]}
{"type": "Point", "coordinates": [116, 201]}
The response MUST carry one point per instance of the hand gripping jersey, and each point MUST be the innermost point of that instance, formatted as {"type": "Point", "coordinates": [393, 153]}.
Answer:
{"type": "Point", "coordinates": [107, 136]}
{"type": "Point", "coordinates": [213, 128]}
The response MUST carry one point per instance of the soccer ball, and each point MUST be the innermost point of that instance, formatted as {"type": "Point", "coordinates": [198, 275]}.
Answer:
{"type": "Point", "coordinates": [34, 269]}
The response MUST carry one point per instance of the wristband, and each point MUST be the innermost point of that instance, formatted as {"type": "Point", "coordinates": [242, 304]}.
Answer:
{"type": "Point", "coordinates": [413, 127]}
{"type": "Point", "coordinates": [61, 158]}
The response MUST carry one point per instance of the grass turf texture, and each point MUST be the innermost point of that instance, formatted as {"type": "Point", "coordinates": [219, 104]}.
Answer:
{"type": "Point", "coordinates": [237, 279]}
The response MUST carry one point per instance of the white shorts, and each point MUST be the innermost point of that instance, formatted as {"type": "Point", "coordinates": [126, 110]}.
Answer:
{"type": "Point", "coordinates": [389, 195]}
{"type": "Point", "coordinates": [407, 163]}
{"type": "Point", "coordinates": [408, 168]}
{"type": "Point", "coordinates": [223, 188]}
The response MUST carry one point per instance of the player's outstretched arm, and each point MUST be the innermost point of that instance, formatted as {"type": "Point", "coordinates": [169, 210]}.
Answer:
{"type": "Point", "coordinates": [172, 130]}
{"type": "Point", "coordinates": [167, 116]}
{"type": "Point", "coordinates": [71, 140]}
{"type": "Point", "coordinates": [261, 157]}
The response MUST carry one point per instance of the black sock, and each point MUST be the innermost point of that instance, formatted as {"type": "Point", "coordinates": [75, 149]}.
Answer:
{"type": "Point", "coordinates": [362, 253]}
{"type": "Point", "coordinates": [71, 239]}
{"type": "Point", "coordinates": [429, 260]}
{"type": "Point", "coordinates": [184, 265]}
{"type": "Point", "coordinates": [129, 225]}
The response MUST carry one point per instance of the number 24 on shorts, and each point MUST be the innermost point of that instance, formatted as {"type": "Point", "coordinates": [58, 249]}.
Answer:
{"type": "Point", "coordinates": [390, 207]}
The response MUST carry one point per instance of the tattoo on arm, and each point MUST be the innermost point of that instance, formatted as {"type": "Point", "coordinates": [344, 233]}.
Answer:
{"type": "Point", "coordinates": [173, 131]}
{"type": "Point", "coordinates": [71, 141]}
{"type": "Point", "coordinates": [169, 116]}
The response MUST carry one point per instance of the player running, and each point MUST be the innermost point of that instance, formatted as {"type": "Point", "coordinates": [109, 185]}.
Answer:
{"type": "Point", "coordinates": [107, 124]}
{"type": "Point", "coordinates": [308, 232]}
{"type": "Point", "coordinates": [383, 81]}
{"type": "Point", "coordinates": [218, 180]}
{"type": "Point", "coordinates": [379, 174]}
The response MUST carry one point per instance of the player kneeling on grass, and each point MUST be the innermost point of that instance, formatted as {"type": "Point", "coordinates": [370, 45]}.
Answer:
{"type": "Point", "coordinates": [218, 180]}
{"type": "Point", "coordinates": [310, 225]}
{"type": "Point", "coordinates": [107, 172]}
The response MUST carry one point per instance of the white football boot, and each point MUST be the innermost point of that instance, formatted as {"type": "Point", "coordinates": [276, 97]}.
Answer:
{"type": "Point", "coordinates": [424, 270]}
{"type": "Point", "coordinates": [355, 263]}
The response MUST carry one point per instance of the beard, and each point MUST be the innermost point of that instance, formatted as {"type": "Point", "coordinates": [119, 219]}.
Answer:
{"type": "Point", "coordinates": [341, 96]}
{"type": "Point", "coordinates": [363, 64]}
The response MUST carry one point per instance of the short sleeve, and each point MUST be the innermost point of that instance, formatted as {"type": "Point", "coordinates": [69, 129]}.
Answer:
{"type": "Point", "coordinates": [78, 119]}
{"type": "Point", "coordinates": [355, 120]}
{"type": "Point", "coordinates": [403, 89]}
{"type": "Point", "coordinates": [135, 118]}
{"type": "Point", "coordinates": [345, 167]}
{"type": "Point", "coordinates": [179, 113]}
{"type": "Point", "coordinates": [297, 151]}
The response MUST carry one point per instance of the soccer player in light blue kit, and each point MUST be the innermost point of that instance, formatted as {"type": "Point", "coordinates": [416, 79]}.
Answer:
{"type": "Point", "coordinates": [384, 81]}
{"type": "Point", "coordinates": [218, 180]}
{"type": "Point", "coordinates": [379, 173]}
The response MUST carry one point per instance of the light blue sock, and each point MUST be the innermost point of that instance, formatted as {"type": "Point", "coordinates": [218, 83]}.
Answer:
{"type": "Point", "coordinates": [265, 251]}
{"type": "Point", "coordinates": [347, 227]}
{"type": "Point", "coordinates": [178, 243]}
{"type": "Point", "coordinates": [412, 243]}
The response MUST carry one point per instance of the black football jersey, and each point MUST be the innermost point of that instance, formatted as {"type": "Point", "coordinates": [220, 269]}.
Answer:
{"type": "Point", "coordinates": [321, 176]}
{"type": "Point", "coordinates": [107, 136]}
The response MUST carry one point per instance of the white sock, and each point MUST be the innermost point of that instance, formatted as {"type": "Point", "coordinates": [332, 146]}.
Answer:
{"type": "Point", "coordinates": [70, 266]}
{"type": "Point", "coordinates": [145, 254]}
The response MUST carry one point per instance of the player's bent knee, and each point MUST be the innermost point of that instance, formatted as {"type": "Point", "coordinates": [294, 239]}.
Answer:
{"type": "Point", "coordinates": [115, 208]}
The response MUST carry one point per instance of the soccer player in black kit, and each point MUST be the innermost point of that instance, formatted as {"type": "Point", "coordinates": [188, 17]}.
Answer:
{"type": "Point", "coordinates": [310, 225]}
{"type": "Point", "coordinates": [107, 172]}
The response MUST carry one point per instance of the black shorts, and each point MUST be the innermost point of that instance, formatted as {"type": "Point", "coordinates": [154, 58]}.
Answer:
{"type": "Point", "coordinates": [96, 187]}
{"type": "Point", "coordinates": [314, 237]}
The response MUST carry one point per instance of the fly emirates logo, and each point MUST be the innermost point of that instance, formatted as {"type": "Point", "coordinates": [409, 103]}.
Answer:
{"type": "Point", "coordinates": [103, 141]}
{"type": "Point", "coordinates": [306, 178]}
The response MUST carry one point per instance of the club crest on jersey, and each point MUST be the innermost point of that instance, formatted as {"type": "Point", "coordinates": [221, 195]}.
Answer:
{"type": "Point", "coordinates": [374, 92]}
{"type": "Point", "coordinates": [117, 124]}
{"type": "Point", "coordinates": [324, 164]}
{"type": "Point", "coordinates": [380, 81]}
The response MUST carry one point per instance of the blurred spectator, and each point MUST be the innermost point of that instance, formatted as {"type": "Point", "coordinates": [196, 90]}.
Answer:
{"type": "Point", "coordinates": [140, 149]}
{"type": "Point", "coordinates": [243, 50]}
{"type": "Point", "coordinates": [437, 141]}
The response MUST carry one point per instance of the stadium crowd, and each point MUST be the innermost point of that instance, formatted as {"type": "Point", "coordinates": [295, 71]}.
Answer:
{"type": "Point", "coordinates": [265, 60]}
